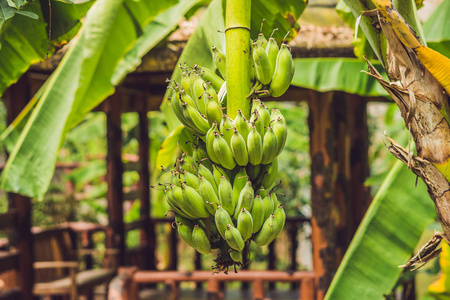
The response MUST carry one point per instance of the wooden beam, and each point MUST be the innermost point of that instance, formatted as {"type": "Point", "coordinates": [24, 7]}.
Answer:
{"type": "Point", "coordinates": [114, 172]}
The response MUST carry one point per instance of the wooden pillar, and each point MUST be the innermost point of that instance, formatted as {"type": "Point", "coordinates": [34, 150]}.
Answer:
{"type": "Point", "coordinates": [359, 157]}
{"type": "Point", "coordinates": [16, 97]}
{"type": "Point", "coordinates": [342, 197]}
{"type": "Point", "coordinates": [114, 171]}
{"type": "Point", "coordinates": [148, 237]}
{"type": "Point", "coordinates": [323, 178]}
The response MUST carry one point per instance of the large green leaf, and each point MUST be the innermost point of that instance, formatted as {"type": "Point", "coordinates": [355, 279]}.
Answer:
{"type": "Point", "coordinates": [281, 14]}
{"type": "Point", "coordinates": [385, 238]}
{"type": "Point", "coordinates": [24, 41]}
{"type": "Point", "coordinates": [437, 29]}
{"type": "Point", "coordinates": [336, 74]}
{"type": "Point", "coordinates": [82, 80]}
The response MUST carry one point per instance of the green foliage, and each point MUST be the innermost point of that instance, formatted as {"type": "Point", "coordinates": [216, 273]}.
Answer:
{"type": "Point", "coordinates": [108, 34]}
{"type": "Point", "coordinates": [385, 239]}
{"type": "Point", "coordinates": [437, 29]}
{"type": "Point", "coordinates": [336, 74]}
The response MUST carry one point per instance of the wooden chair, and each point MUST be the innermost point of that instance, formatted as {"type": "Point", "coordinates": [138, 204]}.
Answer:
{"type": "Point", "coordinates": [57, 268]}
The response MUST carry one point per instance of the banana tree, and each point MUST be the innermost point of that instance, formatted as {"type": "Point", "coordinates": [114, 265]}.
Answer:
{"type": "Point", "coordinates": [423, 105]}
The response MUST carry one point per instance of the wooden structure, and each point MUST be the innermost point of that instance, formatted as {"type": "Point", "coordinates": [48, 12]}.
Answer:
{"type": "Point", "coordinates": [56, 267]}
{"type": "Point", "coordinates": [339, 166]}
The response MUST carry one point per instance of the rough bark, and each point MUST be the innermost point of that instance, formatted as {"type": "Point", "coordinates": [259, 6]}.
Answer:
{"type": "Point", "coordinates": [421, 100]}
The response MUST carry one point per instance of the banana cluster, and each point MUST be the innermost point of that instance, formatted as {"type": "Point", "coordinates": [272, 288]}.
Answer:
{"type": "Point", "coordinates": [223, 194]}
{"type": "Point", "coordinates": [217, 208]}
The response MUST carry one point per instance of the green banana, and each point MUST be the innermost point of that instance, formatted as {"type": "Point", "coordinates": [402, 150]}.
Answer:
{"type": "Point", "coordinates": [195, 120]}
{"type": "Point", "coordinates": [210, 142]}
{"type": "Point", "coordinates": [245, 224]}
{"type": "Point", "coordinates": [213, 111]}
{"type": "Point", "coordinates": [222, 218]}
{"type": "Point", "coordinates": [270, 147]}
{"type": "Point", "coordinates": [218, 172]}
{"type": "Point", "coordinates": [200, 240]}
{"type": "Point", "coordinates": [257, 213]}
{"type": "Point", "coordinates": [226, 128]}
{"type": "Point", "coordinates": [185, 81]}
{"type": "Point", "coordinates": [198, 92]}
{"type": "Point", "coordinates": [267, 233]}
{"type": "Point", "coordinates": [245, 199]}
{"type": "Point", "coordinates": [274, 198]}
{"type": "Point", "coordinates": [184, 205]}
{"type": "Point", "coordinates": [196, 202]}
{"type": "Point", "coordinates": [234, 238]}
{"type": "Point", "coordinates": [211, 91]}
{"type": "Point", "coordinates": [208, 194]}
{"type": "Point", "coordinates": [272, 53]}
{"type": "Point", "coordinates": [185, 232]}
{"type": "Point", "coordinates": [239, 183]}
{"type": "Point", "coordinates": [202, 154]}
{"type": "Point", "coordinates": [254, 147]}
{"type": "Point", "coordinates": [280, 130]}
{"type": "Point", "coordinates": [187, 163]}
{"type": "Point", "coordinates": [223, 152]}
{"type": "Point", "coordinates": [205, 172]}
{"type": "Point", "coordinates": [226, 195]}
{"type": "Point", "coordinates": [253, 171]}
{"type": "Point", "coordinates": [264, 114]}
{"type": "Point", "coordinates": [268, 206]}
{"type": "Point", "coordinates": [262, 192]}
{"type": "Point", "coordinates": [192, 78]}
{"type": "Point", "coordinates": [262, 41]}
{"type": "Point", "coordinates": [269, 173]}
{"type": "Point", "coordinates": [220, 61]}
{"type": "Point", "coordinates": [185, 98]}
{"type": "Point", "coordinates": [252, 65]}
{"type": "Point", "coordinates": [236, 255]}
{"type": "Point", "coordinates": [241, 125]}
{"type": "Point", "coordinates": [210, 76]}
{"type": "Point", "coordinates": [262, 64]}
{"type": "Point", "coordinates": [280, 218]}
{"type": "Point", "coordinates": [276, 113]}
{"type": "Point", "coordinates": [176, 208]}
{"type": "Point", "coordinates": [255, 104]}
{"type": "Point", "coordinates": [283, 74]}
{"type": "Point", "coordinates": [191, 179]}
{"type": "Point", "coordinates": [239, 149]}
{"type": "Point", "coordinates": [256, 121]}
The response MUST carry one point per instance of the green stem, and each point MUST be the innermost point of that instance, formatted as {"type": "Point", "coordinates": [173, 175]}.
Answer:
{"type": "Point", "coordinates": [237, 34]}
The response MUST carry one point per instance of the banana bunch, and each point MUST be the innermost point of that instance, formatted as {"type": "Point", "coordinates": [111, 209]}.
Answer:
{"type": "Point", "coordinates": [219, 208]}
{"type": "Point", "coordinates": [223, 195]}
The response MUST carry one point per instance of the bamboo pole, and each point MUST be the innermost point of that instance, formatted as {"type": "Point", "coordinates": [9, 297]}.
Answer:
{"type": "Point", "coordinates": [237, 35]}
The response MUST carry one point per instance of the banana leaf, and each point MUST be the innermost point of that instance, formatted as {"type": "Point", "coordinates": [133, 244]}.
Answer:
{"type": "Point", "coordinates": [336, 74]}
{"type": "Point", "coordinates": [24, 40]}
{"type": "Point", "coordinates": [437, 29]}
{"type": "Point", "coordinates": [385, 239]}
{"type": "Point", "coordinates": [111, 31]}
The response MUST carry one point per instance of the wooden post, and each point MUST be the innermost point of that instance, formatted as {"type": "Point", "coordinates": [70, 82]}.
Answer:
{"type": "Point", "coordinates": [114, 171]}
{"type": "Point", "coordinates": [359, 157]}
{"type": "Point", "coordinates": [148, 237]}
{"type": "Point", "coordinates": [323, 177]}
{"type": "Point", "coordinates": [16, 97]}
{"type": "Point", "coordinates": [342, 193]}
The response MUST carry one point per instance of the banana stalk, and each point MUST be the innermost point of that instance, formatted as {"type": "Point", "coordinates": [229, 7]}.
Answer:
{"type": "Point", "coordinates": [237, 36]}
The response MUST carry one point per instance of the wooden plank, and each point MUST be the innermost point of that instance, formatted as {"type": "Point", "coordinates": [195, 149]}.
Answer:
{"type": "Point", "coordinates": [138, 224]}
{"type": "Point", "coordinates": [114, 172]}
{"type": "Point", "coordinates": [131, 194]}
